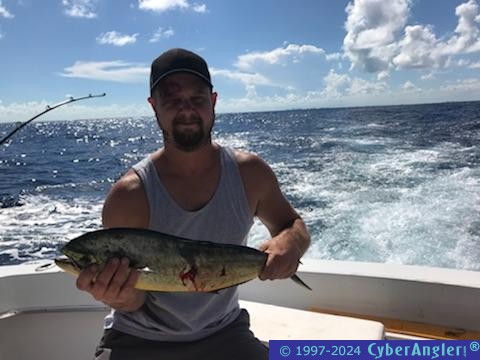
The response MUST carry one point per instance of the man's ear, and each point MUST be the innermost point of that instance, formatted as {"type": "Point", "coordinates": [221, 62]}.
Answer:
{"type": "Point", "coordinates": [214, 98]}
{"type": "Point", "coordinates": [151, 100]}
{"type": "Point", "coordinates": [153, 104]}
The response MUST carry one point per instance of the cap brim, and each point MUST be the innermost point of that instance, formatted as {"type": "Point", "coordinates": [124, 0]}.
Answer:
{"type": "Point", "coordinates": [181, 71]}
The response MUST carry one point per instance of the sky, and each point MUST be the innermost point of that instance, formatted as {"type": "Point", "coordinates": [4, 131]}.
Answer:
{"type": "Point", "coordinates": [263, 54]}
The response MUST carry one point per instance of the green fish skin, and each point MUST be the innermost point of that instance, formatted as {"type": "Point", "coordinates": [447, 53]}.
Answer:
{"type": "Point", "coordinates": [166, 262]}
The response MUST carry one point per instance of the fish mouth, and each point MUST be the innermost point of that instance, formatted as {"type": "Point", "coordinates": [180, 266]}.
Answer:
{"type": "Point", "coordinates": [81, 259]}
{"type": "Point", "coordinates": [67, 264]}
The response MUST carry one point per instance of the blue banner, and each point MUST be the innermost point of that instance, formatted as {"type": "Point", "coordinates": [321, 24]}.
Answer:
{"type": "Point", "coordinates": [374, 349]}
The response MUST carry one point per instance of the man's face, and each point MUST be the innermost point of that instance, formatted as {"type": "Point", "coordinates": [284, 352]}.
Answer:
{"type": "Point", "coordinates": [184, 107]}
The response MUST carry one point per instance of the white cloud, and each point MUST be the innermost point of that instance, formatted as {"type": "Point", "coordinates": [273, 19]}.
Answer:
{"type": "Point", "coordinates": [462, 62]}
{"type": "Point", "coordinates": [4, 12]}
{"type": "Point", "coordinates": [378, 38]}
{"type": "Point", "coordinates": [474, 65]}
{"type": "Point", "coordinates": [116, 38]}
{"type": "Point", "coordinates": [372, 26]}
{"type": "Point", "coordinates": [354, 92]}
{"type": "Point", "coordinates": [86, 110]}
{"type": "Point", "coordinates": [247, 79]}
{"type": "Point", "coordinates": [364, 87]}
{"type": "Point", "coordinates": [293, 52]}
{"type": "Point", "coordinates": [409, 86]}
{"type": "Point", "coordinates": [333, 56]}
{"type": "Point", "coordinates": [429, 76]}
{"type": "Point", "coordinates": [200, 8]}
{"type": "Point", "coordinates": [334, 83]}
{"type": "Point", "coordinates": [250, 81]}
{"type": "Point", "coordinates": [80, 8]}
{"type": "Point", "coordinates": [118, 71]}
{"type": "Point", "coordinates": [417, 48]}
{"type": "Point", "coordinates": [282, 69]}
{"type": "Point", "coordinates": [345, 96]}
{"type": "Point", "coordinates": [161, 34]}
{"type": "Point", "coordinates": [165, 5]}
{"type": "Point", "coordinates": [383, 75]}
{"type": "Point", "coordinates": [470, 86]}
{"type": "Point", "coordinates": [342, 86]}
{"type": "Point", "coordinates": [467, 32]}
{"type": "Point", "coordinates": [459, 90]}
{"type": "Point", "coordinates": [162, 5]}
{"type": "Point", "coordinates": [253, 102]}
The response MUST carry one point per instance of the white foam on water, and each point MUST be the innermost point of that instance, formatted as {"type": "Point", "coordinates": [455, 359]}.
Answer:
{"type": "Point", "coordinates": [388, 207]}
{"type": "Point", "coordinates": [435, 223]}
{"type": "Point", "coordinates": [236, 141]}
{"type": "Point", "coordinates": [258, 234]}
{"type": "Point", "coordinates": [37, 228]}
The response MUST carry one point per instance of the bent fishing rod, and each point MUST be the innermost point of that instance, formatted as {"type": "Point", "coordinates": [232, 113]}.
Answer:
{"type": "Point", "coordinates": [49, 108]}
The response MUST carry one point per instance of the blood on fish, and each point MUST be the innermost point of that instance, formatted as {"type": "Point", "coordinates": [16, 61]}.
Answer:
{"type": "Point", "coordinates": [190, 275]}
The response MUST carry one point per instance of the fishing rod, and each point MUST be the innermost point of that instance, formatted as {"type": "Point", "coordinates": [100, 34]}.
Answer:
{"type": "Point", "coordinates": [49, 108]}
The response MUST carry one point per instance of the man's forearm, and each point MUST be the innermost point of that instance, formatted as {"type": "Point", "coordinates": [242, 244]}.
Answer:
{"type": "Point", "coordinates": [297, 235]}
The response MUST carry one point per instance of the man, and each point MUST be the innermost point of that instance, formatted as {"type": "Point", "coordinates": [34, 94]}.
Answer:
{"type": "Point", "coordinates": [196, 189]}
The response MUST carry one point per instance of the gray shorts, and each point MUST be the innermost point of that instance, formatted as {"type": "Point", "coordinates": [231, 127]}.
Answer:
{"type": "Point", "coordinates": [235, 341]}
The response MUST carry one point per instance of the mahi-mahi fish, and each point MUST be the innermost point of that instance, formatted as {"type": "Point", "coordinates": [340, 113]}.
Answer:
{"type": "Point", "coordinates": [166, 262]}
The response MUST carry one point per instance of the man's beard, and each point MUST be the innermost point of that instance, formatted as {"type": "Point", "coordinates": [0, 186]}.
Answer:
{"type": "Point", "coordinates": [191, 138]}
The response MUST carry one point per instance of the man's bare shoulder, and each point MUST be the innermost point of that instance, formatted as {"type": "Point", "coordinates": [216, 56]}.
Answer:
{"type": "Point", "coordinates": [129, 184]}
{"type": "Point", "coordinates": [257, 176]}
{"type": "Point", "coordinates": [126, 204]}
{"type": "Point", "coordinates": [252, 165]}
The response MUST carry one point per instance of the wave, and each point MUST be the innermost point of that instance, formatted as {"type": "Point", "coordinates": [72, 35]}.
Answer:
{"type": "Point", "coordinates": [42, 224]}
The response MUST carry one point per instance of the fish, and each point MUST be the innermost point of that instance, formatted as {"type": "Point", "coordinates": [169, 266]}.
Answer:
{"type": "Point", "coordinates": [165, 262]}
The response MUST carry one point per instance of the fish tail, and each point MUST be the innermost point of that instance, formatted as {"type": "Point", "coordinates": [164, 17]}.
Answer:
{"type": "Point", "coordinates": [300, 282]}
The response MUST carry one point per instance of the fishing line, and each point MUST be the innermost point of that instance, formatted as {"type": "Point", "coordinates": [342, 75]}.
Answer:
{"type": "Point", "coordinates": [49, 108]}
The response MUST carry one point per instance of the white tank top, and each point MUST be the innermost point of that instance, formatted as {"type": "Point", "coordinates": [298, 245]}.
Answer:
{"type": "Point", "coordinates": [226, 218]}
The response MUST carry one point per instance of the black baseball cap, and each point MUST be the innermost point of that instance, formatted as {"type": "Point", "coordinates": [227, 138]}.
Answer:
{"type": "Point", "coordinates": [175, 61]}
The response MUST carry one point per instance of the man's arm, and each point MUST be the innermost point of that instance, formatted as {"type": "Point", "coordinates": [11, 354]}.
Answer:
{"type": "Point", "coordinates": [290, 238]}
{"type": "Point", "coordinates": [126, 206]}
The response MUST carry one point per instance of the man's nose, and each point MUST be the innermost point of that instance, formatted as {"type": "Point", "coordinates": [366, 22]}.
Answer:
{"type": "Point", "coordinates": [186, 104]}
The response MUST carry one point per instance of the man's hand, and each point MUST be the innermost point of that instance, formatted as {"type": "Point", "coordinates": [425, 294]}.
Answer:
{"type": "Point", "coordinates": [113, 285]}
{"type": "Point", "coordinates": [283, 258]}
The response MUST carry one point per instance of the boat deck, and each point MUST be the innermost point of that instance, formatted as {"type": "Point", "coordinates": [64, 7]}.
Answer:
{"type": "Point", "coordinates": [74, 333]}
{"type": "Point", "coordinates": [43, 315]}
{"type": "Point", "coordinates": [270, 322]}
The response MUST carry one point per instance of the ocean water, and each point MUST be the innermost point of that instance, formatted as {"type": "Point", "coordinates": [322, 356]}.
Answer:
{"type": "Point", "coordinates": [398, 184]}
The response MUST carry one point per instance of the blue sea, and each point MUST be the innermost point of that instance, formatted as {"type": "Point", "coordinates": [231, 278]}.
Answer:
{"type": "Point", "coordinates": [396, 184]}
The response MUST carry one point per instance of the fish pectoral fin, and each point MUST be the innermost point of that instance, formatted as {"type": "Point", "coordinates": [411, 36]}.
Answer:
{"type": "Point", "coordinates": [300, 282]}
